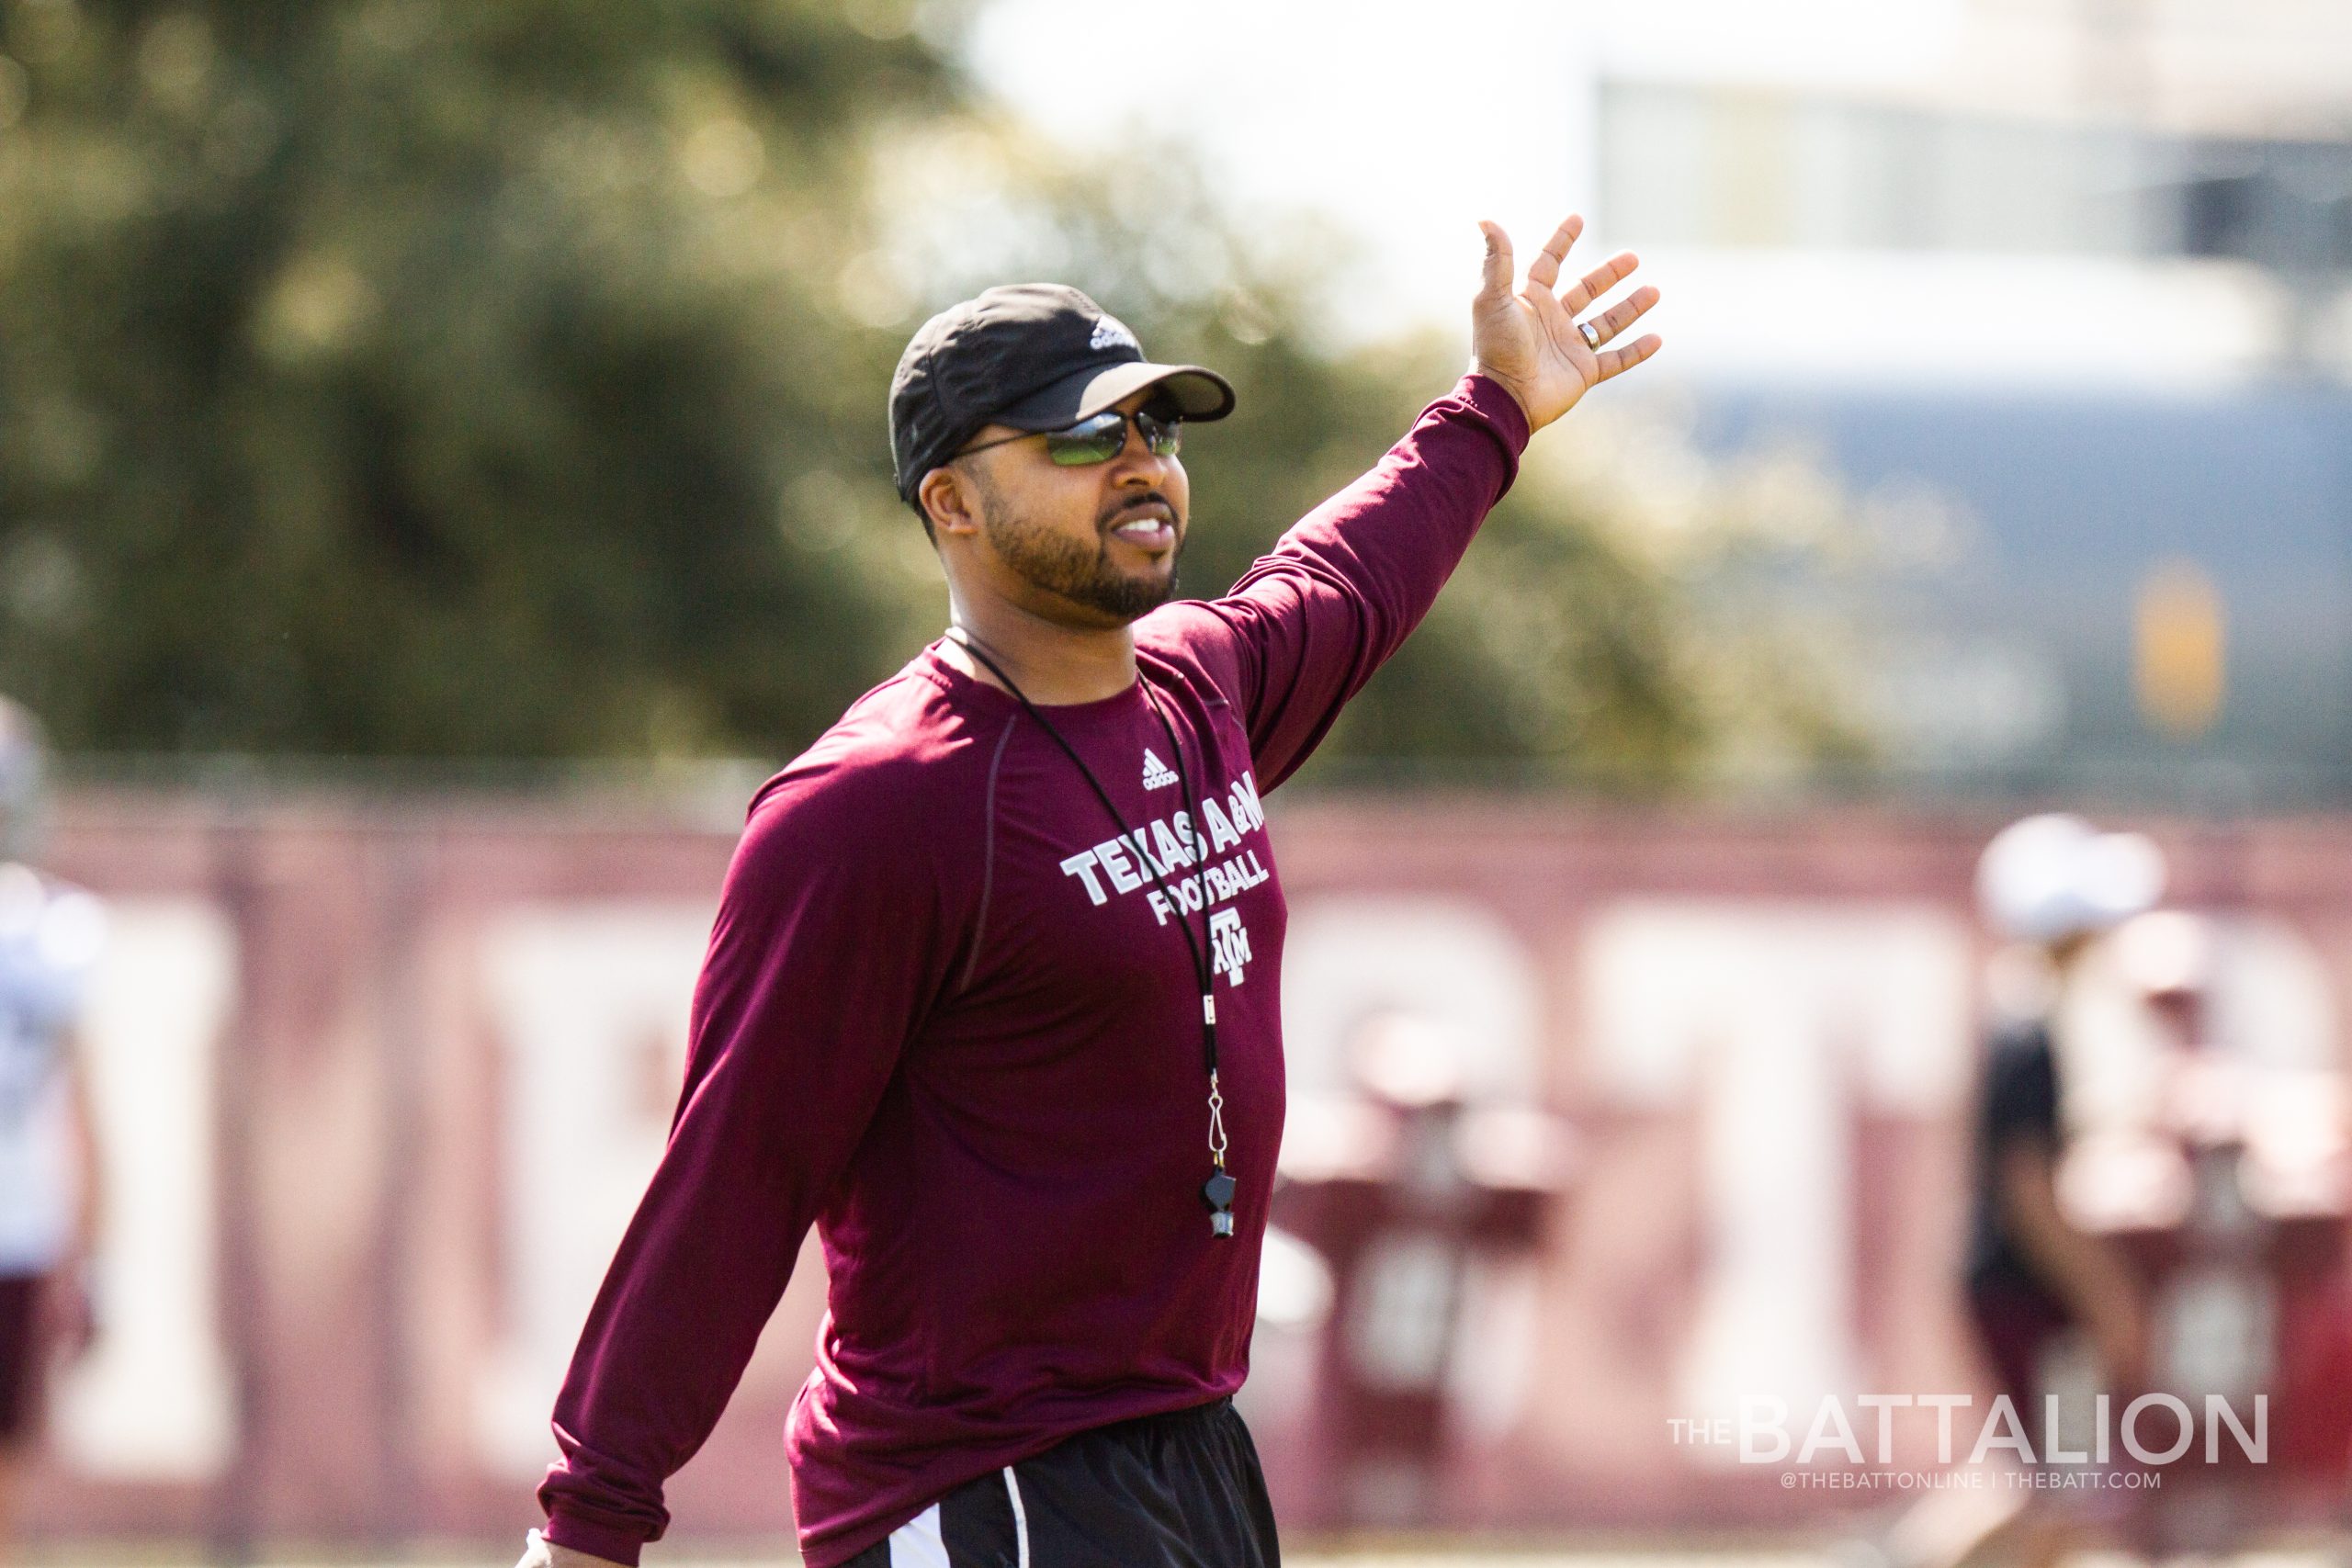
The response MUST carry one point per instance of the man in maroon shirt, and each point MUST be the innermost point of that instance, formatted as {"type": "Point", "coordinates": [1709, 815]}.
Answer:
{"type": "Point", "coordinates": [991, 998]}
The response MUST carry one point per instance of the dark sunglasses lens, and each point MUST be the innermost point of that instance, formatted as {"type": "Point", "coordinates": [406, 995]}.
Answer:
{"type": "Point", "coordinates": [1102, 438]}
{"type": "Point", "coordinates": [1095, 440]}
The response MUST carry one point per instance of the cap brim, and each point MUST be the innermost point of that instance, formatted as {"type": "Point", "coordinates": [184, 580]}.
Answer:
{"type": "Point", "coordinates": [1201, 395]}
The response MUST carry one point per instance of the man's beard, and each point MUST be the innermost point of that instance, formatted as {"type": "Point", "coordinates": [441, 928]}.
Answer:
{"type": "Point", "coordinates": [1064, 566]}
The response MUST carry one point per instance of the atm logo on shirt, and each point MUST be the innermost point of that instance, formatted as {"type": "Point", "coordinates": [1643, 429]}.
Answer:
{"type": "Point", "coordinates": [1231, 940]}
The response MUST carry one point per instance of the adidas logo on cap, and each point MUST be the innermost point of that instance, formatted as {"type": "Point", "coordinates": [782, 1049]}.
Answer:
{"type": "Point", "coordinates": [1156, 774]}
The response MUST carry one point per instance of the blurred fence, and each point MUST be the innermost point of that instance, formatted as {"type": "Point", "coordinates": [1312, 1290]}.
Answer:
{"type": "Point", "coordinates": [378, 1084]}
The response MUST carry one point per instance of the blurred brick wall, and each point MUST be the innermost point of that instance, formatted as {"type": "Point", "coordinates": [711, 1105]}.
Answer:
{"type": "Point", "coordinates": [419, 1059]}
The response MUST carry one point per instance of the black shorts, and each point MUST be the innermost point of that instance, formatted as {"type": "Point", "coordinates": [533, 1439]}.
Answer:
{"type": "Point", "coordinates": [1181, 1490]}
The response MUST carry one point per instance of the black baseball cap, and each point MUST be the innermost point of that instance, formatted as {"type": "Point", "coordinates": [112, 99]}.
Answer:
{"type": "Point", "coordinates": [1033, 356]}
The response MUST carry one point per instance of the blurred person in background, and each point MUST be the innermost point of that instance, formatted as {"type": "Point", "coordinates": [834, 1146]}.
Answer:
{"type": "Point", "coordinates": [1409, 1188]}
{"type": "Point", "coordinates": [992, 997]}
{"type": "Point", "coordinates": [50, 937]}
{"type": "Point", "coordinates": [2056, 884]}
{"type": "Point", "coordinates": [2235, 1187]}
{"type": "Point", "coordinates": [2052, 886]}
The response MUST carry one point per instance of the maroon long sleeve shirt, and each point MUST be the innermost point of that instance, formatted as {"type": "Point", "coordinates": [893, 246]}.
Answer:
{"type": "Point", "coordinates": [946, 1017]}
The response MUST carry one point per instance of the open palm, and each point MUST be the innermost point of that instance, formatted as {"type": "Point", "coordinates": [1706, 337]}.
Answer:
{"type": "Point", "coordinates": [1527, 338]}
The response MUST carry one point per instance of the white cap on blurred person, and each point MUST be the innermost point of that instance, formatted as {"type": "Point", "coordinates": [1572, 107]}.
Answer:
{"type": "Point", "coordinates": [1408, 1060]}
{"type": "Point", "coordinates": [2055, 876]}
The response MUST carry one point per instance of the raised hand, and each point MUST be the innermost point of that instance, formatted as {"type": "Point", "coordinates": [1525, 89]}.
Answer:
{"type": "Point", "coordinates": [1527, 339]}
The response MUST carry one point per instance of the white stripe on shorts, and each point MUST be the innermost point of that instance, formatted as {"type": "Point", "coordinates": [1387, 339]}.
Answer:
{"type": "Point", "coordinates": [918, 1544]}
{"type": "Point", "coordinates": [1020, 1518]}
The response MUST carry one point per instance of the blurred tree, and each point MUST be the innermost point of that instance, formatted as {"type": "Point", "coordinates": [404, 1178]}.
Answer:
{"type": "Point", "coordinates": [402, 376]}
{"type": "Point", "coordinates": [435, 379]}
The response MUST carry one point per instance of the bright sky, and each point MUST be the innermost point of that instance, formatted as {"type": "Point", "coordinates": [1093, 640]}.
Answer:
{"type": "Point", "coordinates": [1410, 122]}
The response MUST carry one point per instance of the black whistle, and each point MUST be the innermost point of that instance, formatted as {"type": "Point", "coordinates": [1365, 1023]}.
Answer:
{"type": "Point", "coordinates": [1217, 1193]}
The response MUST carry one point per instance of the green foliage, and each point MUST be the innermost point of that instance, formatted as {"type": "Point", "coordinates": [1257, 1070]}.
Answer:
{"type": "Point", "coordinates": [429, 377]}
{"type": "Point", "coordinates": [420, 379]}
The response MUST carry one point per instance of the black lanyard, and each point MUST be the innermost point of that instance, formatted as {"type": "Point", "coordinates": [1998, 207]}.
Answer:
{"type": "Point", "coordinates": [1219, 1190]}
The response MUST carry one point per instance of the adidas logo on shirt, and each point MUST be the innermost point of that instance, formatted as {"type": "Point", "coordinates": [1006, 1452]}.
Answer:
{"type": "Point", "coordinates": [1156, 774]}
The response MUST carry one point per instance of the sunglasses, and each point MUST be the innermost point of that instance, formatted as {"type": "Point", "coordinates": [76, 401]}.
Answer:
{"type": "Point", "coordinates": [1100, 439]}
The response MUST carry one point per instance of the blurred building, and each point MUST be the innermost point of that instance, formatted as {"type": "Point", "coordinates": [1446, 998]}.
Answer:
{"type": "Point", "coordinates": [2084, 272]}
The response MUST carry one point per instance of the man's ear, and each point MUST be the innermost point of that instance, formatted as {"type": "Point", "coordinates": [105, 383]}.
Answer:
{"type": "Point", "coordinates": [949, 502]}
